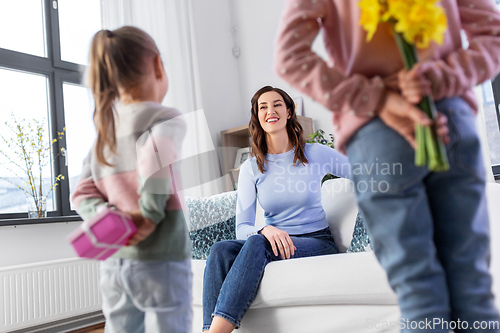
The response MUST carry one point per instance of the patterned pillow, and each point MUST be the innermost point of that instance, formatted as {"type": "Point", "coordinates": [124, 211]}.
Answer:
{"type": "Point", "coordinates": [205, 211]}
{"type": "Point", "coordinates": [203, 239]}
{"type": "Point", "coordinates": [212, 219]}
{"type": "Point", "coordinates": [361, 241]}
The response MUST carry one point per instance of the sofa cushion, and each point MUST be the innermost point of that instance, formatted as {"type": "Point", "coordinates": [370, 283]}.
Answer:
{"type": "Point", "coordinates": [203, 239]}
{"type": "Point", "coordinates": [350, 278]}
{"type": "Point", "coordinates": [211, 219]}
{"type": "Point", "coordinates": [206, 211]}
{"type": "Point", "coordinates": [361, 241]}
{"type": "Point", "coordinates": [339, 203]}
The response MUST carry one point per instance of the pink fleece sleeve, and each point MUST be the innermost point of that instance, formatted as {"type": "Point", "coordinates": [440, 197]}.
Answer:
{"type": "Point", "coordinates": [86, 188]}
{"type": "Point", "coordinates": [463, 69]}
{"type": "Point", "coordinates": [303, 69]}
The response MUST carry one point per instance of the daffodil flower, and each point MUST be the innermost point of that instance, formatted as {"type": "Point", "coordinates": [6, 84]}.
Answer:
{"type": "Point", "coordinates": [416, 23]}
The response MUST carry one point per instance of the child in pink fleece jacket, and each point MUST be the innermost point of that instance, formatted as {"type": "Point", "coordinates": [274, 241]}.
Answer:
{"type": "Point", "coordinates": [146, 286]}
{"type": "Point", "coordinates": [430, 230]}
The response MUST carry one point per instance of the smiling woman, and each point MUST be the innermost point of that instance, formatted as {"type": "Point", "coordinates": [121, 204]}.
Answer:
{"type": "Point", "coordinates": [284, 174]}
{"type": "Point", "coordinates": [273, 116]}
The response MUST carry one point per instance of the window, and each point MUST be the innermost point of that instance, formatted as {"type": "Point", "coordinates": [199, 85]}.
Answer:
{"type": "Point", "coordinates": [491, 99]}
{"type": "Point", "coordinates": [26, 29]}
{"type": "Point", "coordinates": [13, 85]}
{"type": "Point", "coordinates": [42, 59]}
{"type": "Point", "coordinates": [78, 125]}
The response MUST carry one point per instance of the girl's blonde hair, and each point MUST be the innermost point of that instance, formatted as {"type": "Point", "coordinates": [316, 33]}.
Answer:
{"type": "Point", "coordinates": [118, 59]}
{"type": "Point", "coordinates": [293, 129]}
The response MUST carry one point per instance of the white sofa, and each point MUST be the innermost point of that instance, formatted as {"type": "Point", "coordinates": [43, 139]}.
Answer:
{"type": "Point", "coordinates": [345, 292]}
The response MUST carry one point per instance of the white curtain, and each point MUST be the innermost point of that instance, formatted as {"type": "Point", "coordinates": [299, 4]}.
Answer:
{"type": "Point", "coordinates": [168, 22]}
{"type": "Point", "coordinates": [481, 123]}
{"type": "Point", "coordinates": [481, 128]}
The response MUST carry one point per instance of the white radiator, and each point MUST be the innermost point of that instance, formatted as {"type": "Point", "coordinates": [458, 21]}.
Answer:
{"type": "Point", "coordinates": [44, 292]}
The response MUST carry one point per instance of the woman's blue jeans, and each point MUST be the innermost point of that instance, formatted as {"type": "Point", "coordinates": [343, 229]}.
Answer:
{"type": "Point", "coordinates": [235, 268]}
{"type": "Point", "coordinates": [430, 230]}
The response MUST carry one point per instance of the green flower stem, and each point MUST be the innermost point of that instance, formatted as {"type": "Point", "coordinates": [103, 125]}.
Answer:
{"type": "Point", "coordinates": [430, 147]}
{"type": "Point", "coordinates": [420, 152]}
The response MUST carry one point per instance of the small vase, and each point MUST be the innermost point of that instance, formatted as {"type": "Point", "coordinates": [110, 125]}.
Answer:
{"type": "Point", "coordinates": [36, 211]}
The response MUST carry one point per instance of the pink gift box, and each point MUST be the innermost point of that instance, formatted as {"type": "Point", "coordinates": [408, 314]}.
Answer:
{"type": "Point", "coordinates": [103, 235]}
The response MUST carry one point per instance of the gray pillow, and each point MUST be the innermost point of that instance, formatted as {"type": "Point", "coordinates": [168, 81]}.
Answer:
{"type": "Point", "coordinates": [204, 238]}
{"type": "Point", "coordinates": [212, 219]}
{"type": "Point", "coordinates": [361, 241]}
{"type": "Point", "coordinates": [205, 211]}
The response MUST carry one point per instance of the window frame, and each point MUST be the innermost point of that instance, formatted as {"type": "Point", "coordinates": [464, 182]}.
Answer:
{"type": "Point", "coordinates": [57, 72]}
{"type": "Point", "coordinates": [495, 85]}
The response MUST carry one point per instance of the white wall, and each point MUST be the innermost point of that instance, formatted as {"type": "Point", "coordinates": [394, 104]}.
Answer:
{"type": "Point", "coordinates": [257, 23]}
{"type": "Point", "coordinates": [26, 244]}
{"type": "Point", "coordinates": [227, 83]}
{"type": "Point", "coordinates": [217, 78]}
{"type": "Point", "coordinates": [218, 68]}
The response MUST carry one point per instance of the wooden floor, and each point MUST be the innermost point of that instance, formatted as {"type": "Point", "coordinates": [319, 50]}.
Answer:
{"type": "Point", "coordinates": [99, 328]}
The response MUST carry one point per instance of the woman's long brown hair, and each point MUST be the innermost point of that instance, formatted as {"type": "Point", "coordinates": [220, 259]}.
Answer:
{"type": "Point", "coordinates": [293, 129]}
{"type": "Point", "coordinates": [118, 59]}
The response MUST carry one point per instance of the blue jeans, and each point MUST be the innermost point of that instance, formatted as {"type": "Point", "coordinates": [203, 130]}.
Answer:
{"type": "Point", "coordinates": [146, 296]}
{"type": "Point", "coordinates": [430, 230]}
{"type": "Point", "coordinates": [235, 268]}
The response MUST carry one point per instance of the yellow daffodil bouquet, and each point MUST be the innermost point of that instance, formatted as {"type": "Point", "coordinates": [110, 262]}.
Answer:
{"type": "Point", "coordinates": [415, 23]}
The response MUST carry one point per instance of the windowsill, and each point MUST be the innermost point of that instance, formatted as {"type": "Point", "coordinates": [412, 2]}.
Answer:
{"type": "Point", "coordinates": [45, 220]}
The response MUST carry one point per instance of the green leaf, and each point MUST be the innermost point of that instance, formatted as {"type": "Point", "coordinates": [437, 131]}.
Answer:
{"type": "Point", "coordinates": [328, 176]}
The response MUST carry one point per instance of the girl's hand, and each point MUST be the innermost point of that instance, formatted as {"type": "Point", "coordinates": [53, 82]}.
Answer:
{"type": "Point", "coordinates": [413, 85]}
{"type": "Point", "coordinates": [401, 116]}
{"type": "Point", "coordinates": [145, 227]}
{"type": "Point", "coordinates": [442, 128]}
{"type": "Point", "coordinates": [280, 240]}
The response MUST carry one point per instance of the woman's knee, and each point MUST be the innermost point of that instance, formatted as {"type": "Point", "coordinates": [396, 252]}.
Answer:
{"type": "Point", "coordinates": [257, 244]}
{"type": "Point", "coordinates": [256, 241]}
{"type": "Point", "coordinates": [224, 248]}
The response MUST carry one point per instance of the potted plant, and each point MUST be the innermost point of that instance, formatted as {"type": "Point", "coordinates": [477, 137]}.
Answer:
{"type": "Point", "coordinates": [319, 137]}
{"type": "Point", "coordinates": [27, 153]}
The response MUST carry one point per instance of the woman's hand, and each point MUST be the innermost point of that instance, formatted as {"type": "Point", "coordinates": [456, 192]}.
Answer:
{"type": "Point", "coordinates": [145, 227]}
{"type": "Point", "coordinates": [401, 116]}
{"type": "Point", "coordinates": [280, 240]}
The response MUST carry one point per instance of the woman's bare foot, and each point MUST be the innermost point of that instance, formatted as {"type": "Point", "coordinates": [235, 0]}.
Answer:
{"type": "Point", "coordinates": [220, 325]}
